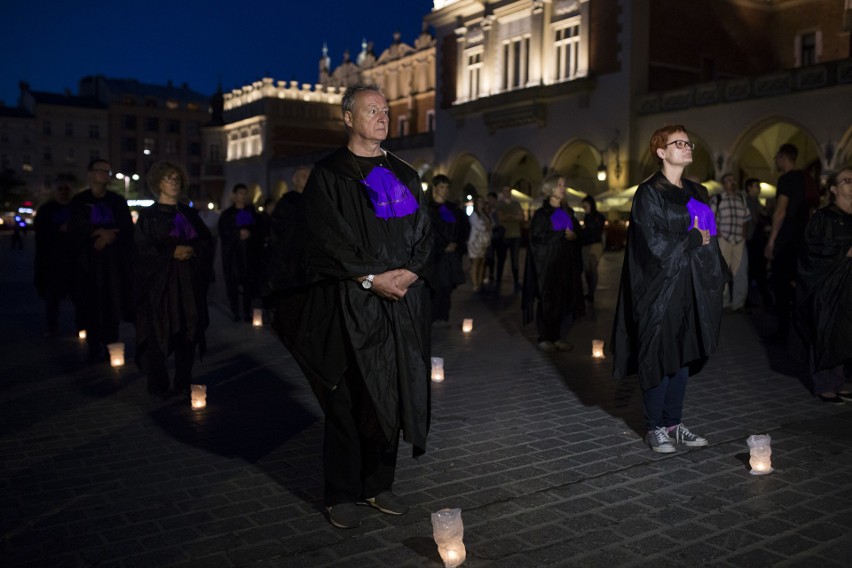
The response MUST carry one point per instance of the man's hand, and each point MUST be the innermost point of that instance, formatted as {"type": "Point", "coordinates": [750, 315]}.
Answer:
{"type": "Point", "coordinates": [393, 284]}
{"type": "Point", "coordinates": [183, 252]}
{"type": "Point", "coordinates": [244, 234]}
{"type": "Point", "coordinates": [769, 251]}
{"type": "Point", "coordinates": [570, 235]}
{"type": "Point", "coordinates": [451, 247]}
{"type": "Point", "coordinates": [104, 237]}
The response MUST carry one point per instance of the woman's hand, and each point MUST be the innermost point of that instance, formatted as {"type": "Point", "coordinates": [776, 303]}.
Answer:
{"type": "Point", "coordinates": [705, 233]}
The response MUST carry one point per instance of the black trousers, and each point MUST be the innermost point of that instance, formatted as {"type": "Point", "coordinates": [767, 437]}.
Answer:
{"type": "Point", "coordinates": [158, 374]}
{"type": "Point", "coordinates": [358, 461]}
{"type": "Point", "coordinates": [512, 246]}
{"type": "Point", "coordinates": [441, 302]}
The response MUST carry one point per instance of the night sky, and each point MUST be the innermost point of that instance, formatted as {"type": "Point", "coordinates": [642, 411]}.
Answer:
{"type": "Point", "coordinates": [51, 45]}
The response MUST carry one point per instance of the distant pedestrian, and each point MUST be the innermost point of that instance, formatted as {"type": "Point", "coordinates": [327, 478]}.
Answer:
{"type": "Point", "coordinates": [449, 234]}
{"type": "Point", "coordinates": [511, 218]}
{"type": "Point", "coordinates": [241, 233]}
{"type": "Point", "coordinates": [100, 233]}
{"type": "Point", "coordinates": [478, 242]}
{"type": "Point", "coordinates": [732, 217]}
{"type": "Point", "coordinates": [52, 266]}
{"type": "Point", "coordinates": [497, 232]}
{"type": "Point", "coordinates": [824, 291]}
{"type": "Point", "coordinates": [592, 238]}
{"type": "Point", "coordinates": [552, 279]}
{"type": "Point", "coordinates": [669, 309]}
{"type": "Point", "coordinates": [756, 235]}
{"type": "Point", "coordinates": [175, 257]}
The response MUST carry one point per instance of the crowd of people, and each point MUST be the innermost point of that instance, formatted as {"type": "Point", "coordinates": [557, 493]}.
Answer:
{"type": "Point", "coordinates": [356, 265]}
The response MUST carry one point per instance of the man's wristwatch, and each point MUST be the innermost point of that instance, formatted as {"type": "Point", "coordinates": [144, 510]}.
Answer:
{"type": "Point", "coordinates": [367, 282]}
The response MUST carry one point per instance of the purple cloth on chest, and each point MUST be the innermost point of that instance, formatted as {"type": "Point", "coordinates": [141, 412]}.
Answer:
{"type": "Point", "coordinates": [101, 214]}
{"type": "Point", "coordinates": [560, 220]}
{"type": "Point", "coordinates": [446, 215]}
{"type": "Point", "coordinates": [390, 197]}
{"type": "Point", "coordinates": [182, 228]}
{"type": "Point", "coordinates": [244, 218]}
{"type": "Point", "coordinates": [706, 218]}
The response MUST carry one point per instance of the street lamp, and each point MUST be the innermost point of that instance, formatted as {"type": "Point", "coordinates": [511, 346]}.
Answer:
{"type": "Point", "coordinates": [127, 178]}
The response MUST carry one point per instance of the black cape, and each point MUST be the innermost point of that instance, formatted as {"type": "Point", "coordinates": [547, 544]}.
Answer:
{"type": "Point", "coordinates": [824, 291]}
{"type": "Point", "coordinates": [241, 258]}
{"type": "Point", "coordinates": [171, 297]}
{"type": "Point", "coordinates": [448, 271]}
{"type": "Point", "coordinates": [52, 264]}
{"type": "Point", "coordinates": [553, 269]}
{"type": "Point", "coordinates": [342, 324]}
{"type": "Point", "coordinates": [102, 280]}
{"type": "Point", "coordinates": [669, 310]}
{"type": "Point", "coordinates": [287, 261]}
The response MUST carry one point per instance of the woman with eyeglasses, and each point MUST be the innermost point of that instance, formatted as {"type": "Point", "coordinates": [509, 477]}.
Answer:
{"type": "Point", "coordinates": [175, 254]}
{"type": "Point", "coordinates": [670, 299]}
{"type": "Point", "coordinates": [824, 291]}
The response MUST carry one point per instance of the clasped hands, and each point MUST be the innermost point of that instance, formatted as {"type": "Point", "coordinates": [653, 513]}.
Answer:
{"type": "Point", "coordinates": [183, 252]}
{"type": "Point", "coordinates": [393, 284]}
{"type": "Point", "coordinates": [104, 237]}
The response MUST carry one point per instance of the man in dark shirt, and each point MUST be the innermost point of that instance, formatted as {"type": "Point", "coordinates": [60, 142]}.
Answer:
{"type": "Point", "coordinates": [592, 239]}
{"type": "Point", "coordinates": [787, 235]}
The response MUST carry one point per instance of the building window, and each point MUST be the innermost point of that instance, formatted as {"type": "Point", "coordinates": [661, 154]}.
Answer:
{"type": "Point", "coordinates": [47, 129]}
{"type": "Point", "coordinates": [516, 53]}
{"type": "Point", "coordinates": [69, 130]}
{"type": "Point", "coordinates": [172, 105]}
{"type": "Point", "coordinates": [152, 124]}
{"type": "Point", "coordinates": [214, 152]}
{"type": "Point", "coordinates": [473, 73]}
{"type": "Point", "coordinates": [128, 121]}
{"type": "Point", "coordinates": [171, 147]}
{"type": "Point", "coordinates": [194, 149]}
{"type": "Point", "coordinates": [173, 126]}
{"type": "Point", "coordinates": [430, 121]}
{"type": "Point", "coordinates": [192, 127]}
{"type": "Point", "coordinates": [808, 52]}
{"type": "Point", "coordinates": [94, 132]}
{"type": "Point", "coordinates": [402, 126]}
{"type": "Point", "coordinates": [48, 154]}
{"type": "Point", "coordinates": [567, 45]}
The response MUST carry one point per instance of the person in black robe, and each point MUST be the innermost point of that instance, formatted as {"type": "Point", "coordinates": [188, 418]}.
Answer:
{"type": "Point", "coordinates": [241, 233]}
{"type": "Point", "coordinates": [175, 257]}
{"type": "Point", "coordinates": [669, 309]}
{"type": "Point", "coordinates": [363, 336]}
{"type": "Point", "coordinates": [448, 229]}
{"type": "Point", "coordinates": [52, 264]}
{"type": "Point", "coordinates": [824, 291]}
{"type": "Point", "coordinates": [100, 233]}
{"type": "Point", "coordinates": [553, 269]}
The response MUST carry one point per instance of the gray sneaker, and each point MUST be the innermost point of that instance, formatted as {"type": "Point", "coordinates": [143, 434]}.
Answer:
{"type": "Point", "coordinates": [683, 436]}
{"type": "Point", "coordinates": [547, 347]}
{"type": "Point", "coordinates": [659, 441]}
{"type": "Point", "coordinates": [344, 516]}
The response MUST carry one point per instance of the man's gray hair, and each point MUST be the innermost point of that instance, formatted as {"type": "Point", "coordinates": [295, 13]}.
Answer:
{"type": "Point", "coordinates": [348, 101]}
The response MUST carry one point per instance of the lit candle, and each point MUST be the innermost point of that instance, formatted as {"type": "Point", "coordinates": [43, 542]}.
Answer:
{"type": "Point", "coordinates": [448, 531]}
{"type": "Point", "coordinates": [198, 396]}
{"type": "Point", "coordinates": [467, 325]}
{"type": "Point", "coordinates": [760, 454]}
{"type": "Point", "coordinates": [257, 318]}
{"type": "Point", "coordinates": [437, 369]}
{"type": "Point", "coordinates": [116, 354]}
{"type": "Point", "coordinates": [81, 334]}
{"type": "Point", "coordinates": [598, 349]}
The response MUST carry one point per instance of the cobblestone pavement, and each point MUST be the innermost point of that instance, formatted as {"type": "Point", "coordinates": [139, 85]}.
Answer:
{"type": "Point", "coordinates": [542, 453]}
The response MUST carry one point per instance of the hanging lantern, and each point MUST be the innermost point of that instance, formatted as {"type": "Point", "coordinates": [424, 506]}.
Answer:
{"type": "Point", "coordinates": [760, 454]}
{"type": "Point", "coordinates": [198, 396]}
{"type": "Point", "coordinates": [448, 531]}
{"type": "Point", "coordinates": [437, 369]}
{"type": "Point", "coordinates": [81, 334]}
{"type": "Point", "coordinates": [257, 318]}
{"type": "Point", "coordinates": [598, 349]}
{"type": "Point", "coordinates": [116, 354]}
{"type": "Point", "coordinates": [467, 325]}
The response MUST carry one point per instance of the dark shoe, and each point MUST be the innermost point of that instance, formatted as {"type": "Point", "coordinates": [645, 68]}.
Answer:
{"type": "Point", "coordinates": [387, 502]}
{"type": "Point", "coordinates": [344, 516]}
{"type": "Point", "coordinates": [836, 399]}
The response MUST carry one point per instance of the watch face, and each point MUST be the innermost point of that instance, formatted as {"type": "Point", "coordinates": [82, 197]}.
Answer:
{"type": "Point", "coordinates": [366, 284]}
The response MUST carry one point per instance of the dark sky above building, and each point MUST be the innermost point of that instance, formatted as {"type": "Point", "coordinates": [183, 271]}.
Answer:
{"type": "Point", "coordinates": [51, 45]}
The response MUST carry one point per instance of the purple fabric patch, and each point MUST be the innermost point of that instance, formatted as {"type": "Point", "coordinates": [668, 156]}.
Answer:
{"type": "Point", "coordinates": [101, 214]}
{"type": "Point", "coordinates": [389, 196]}
{"type": "Point", "coordinates": [446, 215]}
{"type": "Point", "coordinates": [706, 218]}
{"type": "Point", "coordinates": [561, 220]}
{"type": "Point", "coordinates": [244, 218]}
{"type": "Point", "coordinates": [182, 228]}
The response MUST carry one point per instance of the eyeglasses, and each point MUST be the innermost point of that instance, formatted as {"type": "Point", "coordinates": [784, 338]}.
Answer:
{"type": "Point", "coordinates": [102, 171]}
{"type": "Point", "coordinates": [682, 144]}
{"type": "Point", "coordinates": [171, 179]}
{"type": "Point", "coordinates": [844, 181]}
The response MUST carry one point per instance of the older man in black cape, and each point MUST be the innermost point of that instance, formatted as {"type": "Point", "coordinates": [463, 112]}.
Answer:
{"type": "Point", "coordinates": [362, 337]}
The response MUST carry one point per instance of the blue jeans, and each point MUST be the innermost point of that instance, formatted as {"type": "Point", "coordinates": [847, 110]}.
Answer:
{"type": "Point", "coordinates": [664, 402]}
